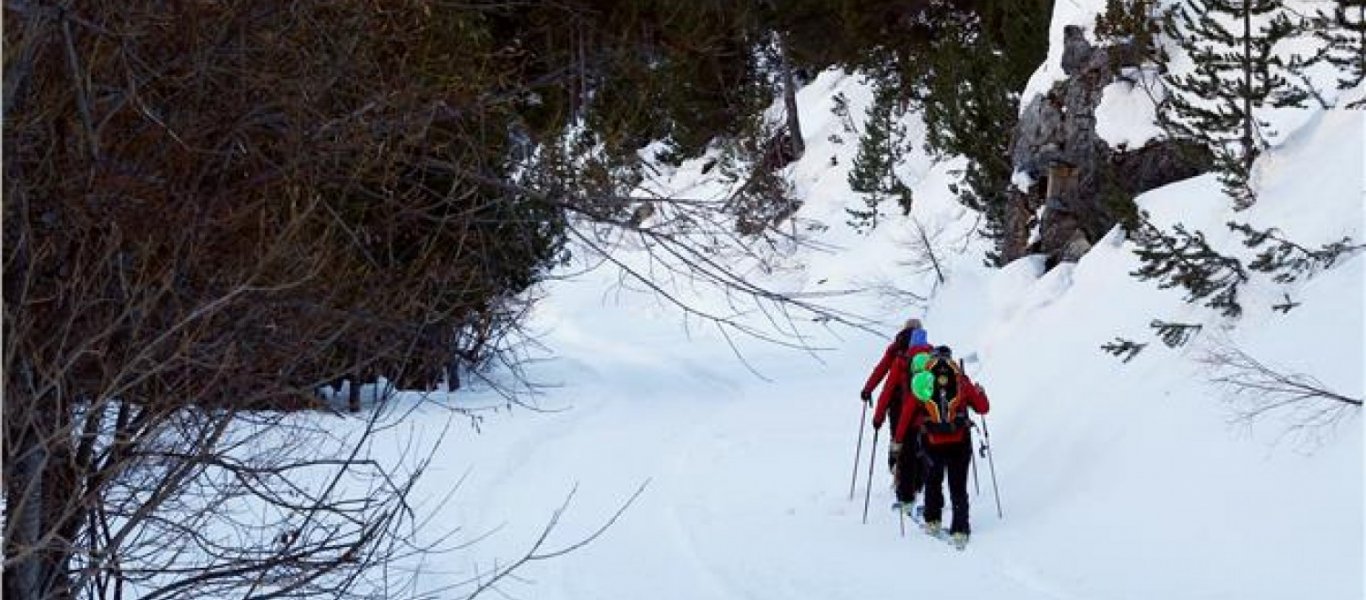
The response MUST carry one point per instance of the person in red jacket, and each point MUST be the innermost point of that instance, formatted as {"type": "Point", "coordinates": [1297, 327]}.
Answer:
{"type": "Point", "coordinates": [907, 474]}
{"type": "Point", "coordinates": [944, 429]}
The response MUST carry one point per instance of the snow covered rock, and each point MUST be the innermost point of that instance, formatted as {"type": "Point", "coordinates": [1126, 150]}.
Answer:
{"type": "Point", "coordinates": [1060, 128]}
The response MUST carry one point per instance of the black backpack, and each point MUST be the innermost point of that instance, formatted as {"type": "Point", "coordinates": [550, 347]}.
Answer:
{"type": "Point", "coordinates": [947, 410]}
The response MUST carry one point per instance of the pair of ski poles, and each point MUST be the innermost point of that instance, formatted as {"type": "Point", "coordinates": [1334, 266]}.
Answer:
{"type": "Point", "coordinates": [983, 450]}
{"type": "Point", "coordinates": [853, 481]}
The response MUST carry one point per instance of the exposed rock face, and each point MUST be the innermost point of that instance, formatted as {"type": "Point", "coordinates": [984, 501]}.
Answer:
{"type": "Point", "coordinates": [1059, 128]}
{"type": "Point", "coordinates": [1060, 125]}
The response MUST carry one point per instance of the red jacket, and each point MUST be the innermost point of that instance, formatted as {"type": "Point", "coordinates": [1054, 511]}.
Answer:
{"type": "Point", "coordinates": [914, 413]}
{"type": "Point", "coordinates": [894, 365]}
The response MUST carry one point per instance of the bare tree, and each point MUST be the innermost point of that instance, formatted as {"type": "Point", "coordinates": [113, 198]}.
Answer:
{"type": "Point", "coordinates": [1257, 391]}
{"type": "Point", "coordinates": [492, 580]}
{"type": "Point", "coordinates": [794, 122]}
{"type": "Point", "coordinates": [924, 250]}
{"type": "Point", "coordinates": [923, 255]}
{"type": "Point", "coordinates": [211, 211]}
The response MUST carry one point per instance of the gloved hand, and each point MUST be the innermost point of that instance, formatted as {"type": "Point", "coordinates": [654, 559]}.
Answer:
{"type": "Point", "coordinates": [877, 422]}
{"type": "Point", "coordinates": [867, 396]}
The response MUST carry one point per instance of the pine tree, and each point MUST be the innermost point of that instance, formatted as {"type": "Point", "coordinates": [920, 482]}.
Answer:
{"type": "Point", "coordinates": [1175, 334]}
{"type": "Point", "coordinates": [1136, 23]}
{"type": "Point", "coordinates": [1001, 45]}
{"type": "Point", "coordinates": [1236, 76]}
{"type": "Point", "coordinates": [1126, 350]}
{"type": "Point", "coordinates": [960, 63]}
{"type": "Point", "coordinates": [1287, 260]}
{"type": "Point", "coordinates": [1344, 33]}
{"type": "Point", "coordinates": [1184, 259]}
{"type": "Point", "coordinates": [881, 146]}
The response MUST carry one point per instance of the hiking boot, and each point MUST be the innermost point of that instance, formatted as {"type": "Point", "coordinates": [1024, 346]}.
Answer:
{"type": "Point", "coordinates": [932, 527]}
{"type": "Point", "coordinates": [959, 540]}
{"type": "Point", "coordinates": [910, 508]}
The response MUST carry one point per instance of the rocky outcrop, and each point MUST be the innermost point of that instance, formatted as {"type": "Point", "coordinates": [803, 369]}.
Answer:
{"type": "Point", "coordinates": [1057, 133]}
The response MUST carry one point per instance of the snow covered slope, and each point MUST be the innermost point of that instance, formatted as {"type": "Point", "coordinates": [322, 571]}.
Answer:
{"type": "Point", "coordinates": [1118, 480]}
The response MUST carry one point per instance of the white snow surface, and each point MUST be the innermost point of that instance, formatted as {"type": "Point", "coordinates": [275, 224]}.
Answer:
{"type": "Point", "coordinates": [1117, 480]}
{"type": "Point", "coordinates": [1081, 13]}
{"type": "Point", "coordinates": [1126, 117]}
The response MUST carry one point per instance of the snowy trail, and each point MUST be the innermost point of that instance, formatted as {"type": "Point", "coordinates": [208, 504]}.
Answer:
{"type": "Point", "coordinates": [749, 480]}
{"type": "Point", "coordinates": [747, 499]}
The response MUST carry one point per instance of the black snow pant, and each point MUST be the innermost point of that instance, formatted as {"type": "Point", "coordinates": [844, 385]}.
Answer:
{"type": "Point", "coordinates": [955, 458]}
{"type": "Point", "coordinates": [893, 417]}
{"type": "Point", "coordinates": [909, 474]}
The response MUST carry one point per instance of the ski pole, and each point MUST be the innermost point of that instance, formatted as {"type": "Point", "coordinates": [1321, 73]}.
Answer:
{"type": "Point", "coordinates": [857, 450]}
{"type": "Point", "coordinates": [901, 518]}
{"type": "Point", "coordinates": [992, 465]}
{"type": "Point", "coordinates": [868, 491]}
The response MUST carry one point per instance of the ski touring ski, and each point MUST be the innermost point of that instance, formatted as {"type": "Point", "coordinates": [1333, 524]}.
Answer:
{"type": "Point", "coordinates": [958, 542]}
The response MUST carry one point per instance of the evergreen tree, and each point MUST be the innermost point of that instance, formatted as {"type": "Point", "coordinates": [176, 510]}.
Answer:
{"type": "Point", "coordinates": [1175, 335]}
{"type": "Point", "coordinates": [881, 147]}
{"type": "Point", "coordinates": [1125, 349]}
{"type": "Point", "coordinates": [1344, 33]}
{"type": "Point", "coordinates": [1236, 76]}
{"type": "Point", "coordinates": [960, 63]}
{"type": "Point", "coordinates": [973, 116]}
{"type": "Point", "coordinates": [1133, 21]}
{"type": "Point", "coordinates": [1132, 31]}
{"type": "Point", "coordinates": [1184, 259]}
{"type": "Point", "coordinates": [1287, 260]}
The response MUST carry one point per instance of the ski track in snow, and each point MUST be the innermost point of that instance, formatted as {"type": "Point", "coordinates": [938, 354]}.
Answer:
{"type": "Point", "coordinates": [718, 585]}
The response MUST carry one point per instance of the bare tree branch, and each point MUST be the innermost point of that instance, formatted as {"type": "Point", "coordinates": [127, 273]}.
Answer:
{"type": "Point", "coordinates": [1257, 391]}
{"type": "Point", "coordinates": [538, 552]}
